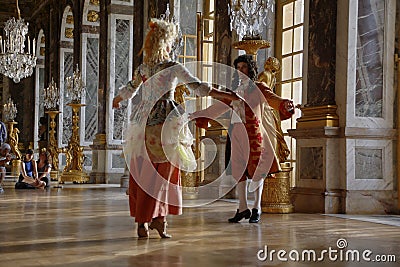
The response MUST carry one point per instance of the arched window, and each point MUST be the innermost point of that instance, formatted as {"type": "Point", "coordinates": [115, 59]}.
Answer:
{"type": "Point", "coordinates": [66, 70]}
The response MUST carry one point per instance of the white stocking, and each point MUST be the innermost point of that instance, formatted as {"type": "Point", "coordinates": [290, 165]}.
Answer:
{"type": "Point", "coordinates": [257, 198]}
{"type": "Point", "coordinates": [242, 192]}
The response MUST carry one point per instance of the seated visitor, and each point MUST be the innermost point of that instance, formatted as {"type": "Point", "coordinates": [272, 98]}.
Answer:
{"type": "Point", "coordinates": [44, 167]}
{"type": "Point", "coordinates": [28, 176]}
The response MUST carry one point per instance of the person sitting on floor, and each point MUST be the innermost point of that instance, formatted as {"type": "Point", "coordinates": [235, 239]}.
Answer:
{"type": "Point", "coordinates": [44, 167]}
{"type": "Point", "coordinates": [28, 176]}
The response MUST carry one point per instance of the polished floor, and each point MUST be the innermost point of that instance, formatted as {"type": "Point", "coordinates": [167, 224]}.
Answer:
{"type": "Point", "coordinates": [89, 225]}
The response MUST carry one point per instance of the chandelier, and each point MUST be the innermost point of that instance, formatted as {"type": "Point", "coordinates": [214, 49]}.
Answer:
{"type": "Point", "coordinates": [75, 86]}
{"type": "Point", "coordinates": [15, 63]}
{"type": "Point", "coordinates": [249, 16]}
{"type": "Point", "coordinates": [10, 110]}
{"type": "Point", "coordinates": [51, 96]}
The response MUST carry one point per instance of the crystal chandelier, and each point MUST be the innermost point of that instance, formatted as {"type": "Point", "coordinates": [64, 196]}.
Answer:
{"type": "Point", "coordinates": [75, 86]}
{"type": "Point", "coordinates": [51, 96]}
{"type": "Point", "coordinates": [10, 110]}
{"type": "Point", "coordinates": [15, 63]}
{"type": "Point", "coordinates": [249, 16]}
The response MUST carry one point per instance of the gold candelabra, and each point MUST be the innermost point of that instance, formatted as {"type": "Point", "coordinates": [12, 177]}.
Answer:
{"type": "Point", "coordinates": [52, 145]}
{"type": "Point", "coordinates": [51, 100]}
{"type": "Point", "coordinates": [73, 170]}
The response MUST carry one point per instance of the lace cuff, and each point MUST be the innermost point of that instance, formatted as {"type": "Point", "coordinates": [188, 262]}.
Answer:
{"type": "Point", "coordinates": [202, 89]}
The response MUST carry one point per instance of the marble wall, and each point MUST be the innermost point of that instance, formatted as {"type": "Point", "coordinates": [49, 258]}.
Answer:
{"type": "Point", "coordinates": [370, 50]}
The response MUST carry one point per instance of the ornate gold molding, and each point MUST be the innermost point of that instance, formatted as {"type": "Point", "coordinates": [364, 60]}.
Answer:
{"type": "Point", "coordinates": [69, 32]}
{"type": "Point", "coordinates": [95, 2]}
{"type": "Point", "coordinates": [69, 19]}
{"type": "Point", "coordinates": [316, 117]}
{"type": "Point", "coordinates": [42, 51]}
{"type": "Point", "coordinates": [43, 40]}
{"type": "Point", "coordinates": [93, 16]}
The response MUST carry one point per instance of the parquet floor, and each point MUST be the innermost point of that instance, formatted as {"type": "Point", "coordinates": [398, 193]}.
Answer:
{"type": "Point", "coordinates": [89, 225]}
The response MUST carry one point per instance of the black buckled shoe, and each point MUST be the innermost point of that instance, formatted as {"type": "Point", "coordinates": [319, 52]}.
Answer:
{"type": "Point", "coordinates": [255, 216]}
{"type": "Point", "coordinates": [240, 215]}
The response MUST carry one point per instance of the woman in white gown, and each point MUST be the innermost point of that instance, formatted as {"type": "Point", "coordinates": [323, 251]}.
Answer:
{"type": "Point", "coordinates": [157, 138]}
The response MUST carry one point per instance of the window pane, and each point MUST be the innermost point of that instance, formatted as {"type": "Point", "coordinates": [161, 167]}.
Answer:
{"type": "Point", "coordinates": [286, 68]}
{"type": "Point", "coordinates": [298, 39]}
{"type": "Point", "coordinates": [286, 124]}
{"type": "Point", "coordinates": [299, 13]}
{"type": "Point", "coordinates": [190, 46]}
{"type": "Point", "coordinates": [289, 143]}
{"type": "Point", "coordinates": [287, 39]}
{"type": "Point", "coordinates": [287, 15]}
{"type": "Point", "coordinates": [297, 92]}
{"type": "Point", "coordinates": [286, 90]}
{"type": "Point", "coordinates": [293, 148]}
{"type": "Point", "coordinates": [297, 65]}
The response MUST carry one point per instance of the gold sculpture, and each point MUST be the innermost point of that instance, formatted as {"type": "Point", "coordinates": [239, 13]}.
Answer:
{"type": "Point", "coordinates": [275, 198]}
{"type": "Point", "coordinates": [189, 190]}
{"type": "Point", "coordinates": [271, 67]}
{"type": "Point", "coordinates": [13, 142]}
{"type": "Point", "coordinates": [13, 139]}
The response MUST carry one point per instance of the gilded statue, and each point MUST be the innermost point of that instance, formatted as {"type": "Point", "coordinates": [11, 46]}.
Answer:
{"type": "Point", "coordinates": [271, 67]}
{"type": "Point", "coordinates": [180, 91]}
{"type": "Point", "coordinates": [13, 141]}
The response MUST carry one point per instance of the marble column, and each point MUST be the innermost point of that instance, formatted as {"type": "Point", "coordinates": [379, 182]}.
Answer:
{"type": "Point", "coordinates": [222, 55]}
{"type": "Point", "coordinates": [223, 34]}
{"type": "Point", "coordinates": [138, 33]}
{"type": "Point", "coordinates": [78, 15]}
{"type": "Point", "coordinates": [98, 174]}
{"type": "Point", "coordinates": [317, 133]}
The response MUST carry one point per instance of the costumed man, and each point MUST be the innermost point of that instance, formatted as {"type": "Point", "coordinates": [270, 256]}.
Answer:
{"type": "Point", "coordinates": [251, 153]}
